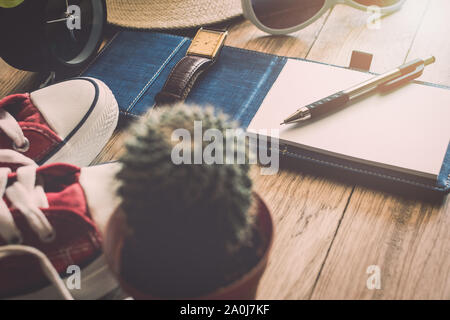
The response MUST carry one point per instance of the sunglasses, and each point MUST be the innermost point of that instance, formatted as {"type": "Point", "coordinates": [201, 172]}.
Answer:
{"type": "Point", "coordinates": [287, 16]}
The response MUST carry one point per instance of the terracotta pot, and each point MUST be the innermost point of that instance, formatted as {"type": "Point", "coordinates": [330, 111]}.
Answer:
{"type": "Point", "coordinates": [243, 288]}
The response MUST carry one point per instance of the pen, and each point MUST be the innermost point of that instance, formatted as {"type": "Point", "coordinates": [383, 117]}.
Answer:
{"type": "Point", "coordinates": [388, 80]}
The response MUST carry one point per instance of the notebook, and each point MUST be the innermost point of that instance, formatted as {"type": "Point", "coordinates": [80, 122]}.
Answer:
{"type": "Point", "coordinates": [404, 130]}
{"type": "Point", "coordinates": [401, 137]}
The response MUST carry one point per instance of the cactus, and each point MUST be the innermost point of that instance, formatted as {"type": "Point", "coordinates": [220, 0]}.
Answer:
{"type": "Point", "coordinates": [191, 227]}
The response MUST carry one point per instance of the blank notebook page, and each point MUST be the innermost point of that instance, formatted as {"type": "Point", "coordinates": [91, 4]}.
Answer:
{"type": "Point", "coordinates": [405, 130]}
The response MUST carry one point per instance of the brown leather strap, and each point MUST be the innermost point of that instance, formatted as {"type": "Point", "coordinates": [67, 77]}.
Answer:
{"type": "Point", "coordinates": [181, 79]}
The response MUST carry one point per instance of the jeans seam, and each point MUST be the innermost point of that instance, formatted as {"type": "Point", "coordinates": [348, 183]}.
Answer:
{"type": "Point", "coordinates": [152, 79]}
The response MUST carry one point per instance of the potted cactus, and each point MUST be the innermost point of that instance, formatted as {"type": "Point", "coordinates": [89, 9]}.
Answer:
{"type": "Point", "coordinates": [186, 231]}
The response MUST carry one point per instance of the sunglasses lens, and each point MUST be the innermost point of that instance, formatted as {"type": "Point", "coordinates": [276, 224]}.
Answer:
{"type": "Point", "coordinates": [379, 3]}
{"type": "Point", "coordinates": [283, 14]}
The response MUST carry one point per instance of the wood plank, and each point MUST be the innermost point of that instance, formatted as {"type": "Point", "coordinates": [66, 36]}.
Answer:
{"type": "Point", "coordinates": [245, 35]}
{"type": "Point", "coordinates": [346, 30]}
{"type": "Point", "coordinates": [408, 239]}
{"type": "Point", "coordinates": [16, 81]}
{"type": "Point", "coordinates": [306, 211]}
{"type": "Point", "coordinates": [432, 38]}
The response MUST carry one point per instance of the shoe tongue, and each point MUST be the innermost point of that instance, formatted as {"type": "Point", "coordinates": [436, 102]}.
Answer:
{"type": "Point", "coordinates": [22, 109]}
{"type": "Point", "coordinates": [100, 186]}
{"type": "Point", "coordinates": [69, 198]}
{"type": "Point", "coordinates": [62, 187]}
{"type": "Point", "coordinates": [54, 177]}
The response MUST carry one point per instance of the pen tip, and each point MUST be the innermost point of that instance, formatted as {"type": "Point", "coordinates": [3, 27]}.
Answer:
{"type": "Point", "coordinates": [429, 60]}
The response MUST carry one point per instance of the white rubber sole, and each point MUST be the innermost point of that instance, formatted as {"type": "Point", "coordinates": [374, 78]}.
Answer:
{"type": "Point", "coordinates": [96, 282]}
{"type": "Point", "coordinates": [94, 133]}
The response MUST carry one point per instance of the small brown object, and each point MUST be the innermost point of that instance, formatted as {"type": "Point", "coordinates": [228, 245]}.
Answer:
{"type": "Point", "coordinates": [361, 60]}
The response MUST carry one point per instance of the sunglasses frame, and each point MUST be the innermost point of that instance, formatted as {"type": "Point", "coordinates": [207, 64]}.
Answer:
{"type": "Point", "coordinates": [249, 13]}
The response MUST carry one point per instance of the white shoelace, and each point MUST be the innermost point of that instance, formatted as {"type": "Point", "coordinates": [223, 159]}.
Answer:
{"type": "Point", "coordinates": [10, 126]}
{"type": "Point", "coordinates": [26, 196]}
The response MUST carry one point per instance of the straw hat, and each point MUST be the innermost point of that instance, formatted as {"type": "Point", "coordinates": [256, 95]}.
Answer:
{"type": "Point", "coordinates": [170, 14]}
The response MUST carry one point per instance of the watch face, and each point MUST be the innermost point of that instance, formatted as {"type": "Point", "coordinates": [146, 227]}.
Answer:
{"type": "Point", "coordinates": [73, 28]}
{"type": "Point", "coordinates": [207, 43]}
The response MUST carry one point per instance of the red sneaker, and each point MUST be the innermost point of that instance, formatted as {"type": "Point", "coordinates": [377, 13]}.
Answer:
{"type": "Point", "coordinates": [47, 229]}
{"type": "Point", "coordinates": [69, 122]}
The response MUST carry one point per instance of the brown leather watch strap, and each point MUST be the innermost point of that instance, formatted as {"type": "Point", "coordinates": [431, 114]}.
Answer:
{"type": "Point", "coordinates": [181, 79]}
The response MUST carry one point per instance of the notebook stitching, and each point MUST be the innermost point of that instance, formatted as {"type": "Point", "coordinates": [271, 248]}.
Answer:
{"type": "Point", "coordinates": [149, 83]}
{"type": "Point", "coordinates": [368, 172]}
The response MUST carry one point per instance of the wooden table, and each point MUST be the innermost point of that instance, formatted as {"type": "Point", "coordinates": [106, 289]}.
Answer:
{"type": "Point", "coordinates": [328, 230]}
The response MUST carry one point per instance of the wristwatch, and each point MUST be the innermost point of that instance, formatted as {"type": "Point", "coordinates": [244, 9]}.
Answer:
{"type": "Point", "coordinates": [201, 54]}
